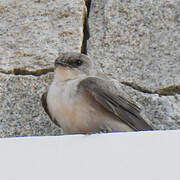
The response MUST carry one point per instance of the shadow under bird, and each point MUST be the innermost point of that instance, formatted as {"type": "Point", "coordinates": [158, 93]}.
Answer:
{"type": "Point", "coordinates": [79, 102]}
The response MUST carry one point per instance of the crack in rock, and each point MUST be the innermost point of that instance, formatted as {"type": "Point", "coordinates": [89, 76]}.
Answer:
{"type": "Point", "coordinates": [18, 71]}
{"type": "Point", "coordinates": [138, 88]}
{"type": "Point", "coordinates": [88, 5]}
{"type": "Point", "coordinates": [167, 91]}
{"type": "Point", "coordinates": [86, 34]}
{"type": "Point", "coordinates": [170, 90]}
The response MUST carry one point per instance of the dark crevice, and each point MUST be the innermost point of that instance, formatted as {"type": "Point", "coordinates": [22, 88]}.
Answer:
{"type": "Point", "coordinates": [85, 38]}
{"type": "Point", "coordinates": [88, 5]}
{"type": "Point", "coordinates": [38, 72]}
{"type": "Point", "coordinates": [138, 88]}
{"type": "Point", "coordinates": [86, 34]}
{"type": "Point", "coordinates": [168, 91]}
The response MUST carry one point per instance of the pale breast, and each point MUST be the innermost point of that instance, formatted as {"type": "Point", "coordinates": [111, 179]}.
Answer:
{"type": "Point", "coordinates": [61, 100]}
{"type": "Point", "coordinates": [77, 112]}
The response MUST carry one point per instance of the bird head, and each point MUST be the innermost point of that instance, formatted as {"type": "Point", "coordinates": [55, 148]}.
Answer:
{"type": "Point", "coordinates": [70, 65]}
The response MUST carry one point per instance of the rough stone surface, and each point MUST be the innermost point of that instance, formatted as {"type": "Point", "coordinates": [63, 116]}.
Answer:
{"type": "Point", "coordinates": [163, 112]}
{"type": "Point", "coordinates": [33, 32]}
{"type": "Point", "coordinates": [138, 43]}
{"type": "Point", "coordinates": [21, 113]}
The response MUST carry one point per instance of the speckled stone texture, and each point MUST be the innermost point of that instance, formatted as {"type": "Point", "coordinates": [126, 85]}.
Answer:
{"type": "Point", "coordinates": [163, 112]}
{"type": "Point", "coordinates": [138, 44]}
{"type": "Point", "coordinates": [21, 113]}
{"type": "Point", "coordinates": [33, 32]}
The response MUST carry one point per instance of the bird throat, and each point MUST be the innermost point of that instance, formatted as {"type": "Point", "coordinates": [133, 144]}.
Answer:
{"type": "Point", "coordinates": [65, 74]}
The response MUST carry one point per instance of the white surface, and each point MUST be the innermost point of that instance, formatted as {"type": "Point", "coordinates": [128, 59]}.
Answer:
{"type": "Point", "coordinates": [118, 156]}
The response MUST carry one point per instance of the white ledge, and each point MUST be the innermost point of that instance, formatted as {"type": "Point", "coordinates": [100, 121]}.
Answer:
{"type": "Point", "coordinates": [117, 156]}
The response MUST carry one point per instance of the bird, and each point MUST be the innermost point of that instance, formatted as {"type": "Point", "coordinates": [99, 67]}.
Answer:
{"type": "Point", "coordinates": [80, 102]}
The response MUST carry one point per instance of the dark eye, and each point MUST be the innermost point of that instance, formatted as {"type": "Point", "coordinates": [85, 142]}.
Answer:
{"type": "Point", "coordinates": [78, 62]}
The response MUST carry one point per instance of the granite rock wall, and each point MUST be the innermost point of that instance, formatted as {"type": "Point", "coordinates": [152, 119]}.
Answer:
{"type": "Point", "coordinates": [32, 34]}
{"type": "Point", "coordinates": [136, 44]}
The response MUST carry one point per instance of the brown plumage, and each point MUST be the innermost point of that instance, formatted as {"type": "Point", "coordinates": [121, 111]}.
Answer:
{"type": "Point", "coordinates": [126, 111]}
{"type": "Point", "coordinates": [82, 103]}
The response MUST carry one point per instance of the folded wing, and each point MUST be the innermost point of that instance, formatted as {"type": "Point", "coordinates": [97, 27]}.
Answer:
{"type": "Point", "coordinates": [125, 110]}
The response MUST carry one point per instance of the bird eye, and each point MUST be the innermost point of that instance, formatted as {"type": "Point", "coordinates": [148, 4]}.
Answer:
{"type": "Point", "coordinates": [78, 62]}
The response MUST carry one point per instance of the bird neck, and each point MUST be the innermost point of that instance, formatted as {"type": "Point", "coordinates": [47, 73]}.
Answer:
{"type": "Point", "coordinates": [65, 74]}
